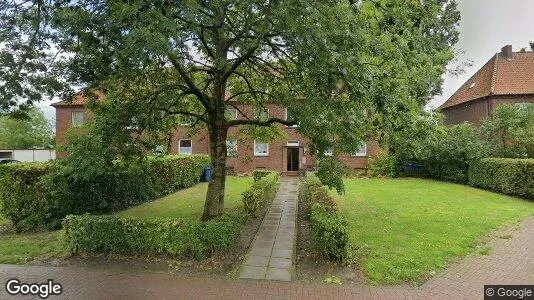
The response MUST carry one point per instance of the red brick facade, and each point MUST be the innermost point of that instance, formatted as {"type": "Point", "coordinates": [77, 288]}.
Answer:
{"type": "Point", "coordinates": [245, 161]}
{"type": "Point", "coordinates": [476, 111]}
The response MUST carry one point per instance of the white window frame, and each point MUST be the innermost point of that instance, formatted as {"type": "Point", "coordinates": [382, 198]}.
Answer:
{"type": "Point", "coordinates": [260, 153]}
{"type": "Point", "coordinates": [290, 126]}
{"type": "Point", "coordinates": [180, 146]}
{"type": "Point", "coordinates": [235, 151]}
{"type": "Point", "coordinates": [329, 152]}
{"type": "Point", "coordinates": [72, 118]}
{"type": "Point", "coordinates": [232, 112]}
{"type": "Point", "coordinates": [361, 153]}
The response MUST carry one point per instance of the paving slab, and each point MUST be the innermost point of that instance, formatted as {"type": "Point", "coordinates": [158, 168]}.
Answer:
{"type": "Point", "coordinates": [271, 254]}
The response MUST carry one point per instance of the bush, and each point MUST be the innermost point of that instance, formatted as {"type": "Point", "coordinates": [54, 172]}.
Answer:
{"type": "Point", "coordinates": [188, 238]}
{"type": "Point", "coordinates": [384, 164]}
{"type": "Point", "coordinates": [327, 227]}
{"type": "Point", "coordinates": [259, 174]}
{"type": "Point", "coordinates": [21, 194]}
{"type": "Point", "coordinates": [53, 193]}
{"type": "Point", "coordinates": [258, 194]}
{"type": "Point", "coordinates": [449, 155]}
{"type": "Point", "coordinates": [331, 171]}
{"type": "Point", "coordinates": [504, 175]}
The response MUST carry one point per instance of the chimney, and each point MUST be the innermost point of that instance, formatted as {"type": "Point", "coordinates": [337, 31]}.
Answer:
{"type": "Point", "coordinates": [506, 52]}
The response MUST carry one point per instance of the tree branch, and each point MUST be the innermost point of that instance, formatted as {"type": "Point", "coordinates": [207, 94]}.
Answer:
{"type": "Point", "coordinates": [268, 122]}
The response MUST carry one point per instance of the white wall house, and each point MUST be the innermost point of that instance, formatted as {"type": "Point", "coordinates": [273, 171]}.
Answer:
{"type": "Point", "coordinates": [28, 155]}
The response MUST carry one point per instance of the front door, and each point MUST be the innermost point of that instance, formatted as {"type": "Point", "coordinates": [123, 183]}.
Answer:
{"type": "Point", "coordinates": [293, 159]}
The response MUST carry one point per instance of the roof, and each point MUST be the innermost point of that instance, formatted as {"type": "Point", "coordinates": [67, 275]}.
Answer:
{"type": "Point", "coordinates": [499, 76]}
{"type": "Point", "coordinates": [78, 100]}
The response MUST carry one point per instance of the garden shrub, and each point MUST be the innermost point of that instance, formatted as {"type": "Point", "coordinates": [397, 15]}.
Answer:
{"type": "Point", "coordinates": [449, 155]}
{"type": "Point", "coordinates": [21, 195]}
{"type": "Point", "coordinates": [258, 194]}
{"type": "Point", "coordinates": [259, 174]}
{"type": "Point", "coordinates": [383, 165]}
{"type": "Point", "coordinates": [328, 228]}
{"type": "Point", "coordinates": [331, 171]}
{"type": "Point", "coordinates": [188, 238]}
{"type": "Point", "coordinates": [64, 190]}
{"type": "Point", "coordinates": [504, 175]}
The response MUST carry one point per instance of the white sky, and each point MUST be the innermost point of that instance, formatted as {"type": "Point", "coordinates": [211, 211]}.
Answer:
{"type": "Point", "coordinates": [486, 26]}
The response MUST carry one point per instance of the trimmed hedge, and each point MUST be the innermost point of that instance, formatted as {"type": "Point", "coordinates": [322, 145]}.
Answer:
{"type": "Point", "coordinates": [188, 238]}
{"type": "Point", "coordinates": [259, 174]}
{"type": "Point", "coordinates": [505, 175]}
{"type": "Point", "coordinates": [327, 227]}
{"type": "Point", "coordinates": [258, 194]}
{"type": "Point", "coordinates": [37, 195]}
{"type": "Point", "coordinates": [21, 193]}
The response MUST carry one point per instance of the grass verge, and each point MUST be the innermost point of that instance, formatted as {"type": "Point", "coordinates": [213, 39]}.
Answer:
{"type": "Point", "coordinates": [407, 229]}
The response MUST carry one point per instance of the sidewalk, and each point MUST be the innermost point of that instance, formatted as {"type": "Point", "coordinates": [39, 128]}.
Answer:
{"type": "Point", "coordinates": [273, 249]}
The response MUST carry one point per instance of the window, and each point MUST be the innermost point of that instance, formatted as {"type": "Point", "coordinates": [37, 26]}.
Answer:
{"type": "Point", "coordinates": [329, 152]}
{"type": "Point", "coordinates": [231, 147]}
{"type": "Point", "coordinates": [292, 143]}
{"type": "Point", "coordinates": [78, 118]}
{"type": "Point", "coordinates": [232, 113]}
{"type": "Point", "coordinates": [185, 147]}
{"type": "Point", "coordinates": [361, 150]}
{"type": "Point", "coordinates": [287, 118]}
{"type": "Point", "coordinates": [261, 114]}
{"type": "Point", "coordinates": [261, 149]}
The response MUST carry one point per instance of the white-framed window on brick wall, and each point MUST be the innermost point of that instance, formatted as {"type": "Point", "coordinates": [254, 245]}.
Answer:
{"type": "Point", "coordinates": [78, 118]}
{"type": "Point", "coordinates": [361, 150]}
{"type": "Point", "coordinates": [261, 148]}
{"type": "Point", "coordinates": [185, 146]}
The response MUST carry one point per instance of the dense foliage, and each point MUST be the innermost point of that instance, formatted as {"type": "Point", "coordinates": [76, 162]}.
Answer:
{"type": "Point", "coordinates": [449, 155]}
{"type": "Point", "coordinates": [187, 238]}
{"type": "Point", "coordinates": [330, 172]}
{"type": "Point", "coordinates": [37, 195]}
{"type": "Point", "coordinates": [26, 132]}
{"type": "Point", "coordinates": [504, 175]}
{"type": "Point", "coordinates": [510, 131]}
{"type": "Point", "coordinates": [328, 228]}
{"type": "Point", "coordinates": [259, 193]}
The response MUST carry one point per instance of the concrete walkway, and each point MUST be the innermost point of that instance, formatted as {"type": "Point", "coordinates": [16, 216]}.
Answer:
{"type": "Point", "coordinates": [272, 251]}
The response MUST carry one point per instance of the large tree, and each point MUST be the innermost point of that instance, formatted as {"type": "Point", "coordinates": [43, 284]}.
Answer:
{"type": "Point", "coordinates": [344, 69]}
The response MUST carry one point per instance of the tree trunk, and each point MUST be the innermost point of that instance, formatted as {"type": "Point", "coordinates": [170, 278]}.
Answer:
{"type": "Point", "coordinates": [218, 131]}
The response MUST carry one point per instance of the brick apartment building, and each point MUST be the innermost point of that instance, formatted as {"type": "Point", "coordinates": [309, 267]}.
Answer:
{"type": "Point", "coordinates": [291, 154]}
{"type": "Point", "coordinates": [508, 77]}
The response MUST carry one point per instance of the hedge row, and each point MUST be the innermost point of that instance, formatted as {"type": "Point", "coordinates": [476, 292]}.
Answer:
{"type": "Point", "coordinates": [187, 238]}
{"type": "Point", "coordinates": [259, 174]}
{"type": "Point", "coordinates": [260, 191]}
{"type": "Point", "coordinates": [504, 175]}
{"type": "Point", "coordinates": [40, 195]}
{"type": "Point", "coordinates": [328, 228]}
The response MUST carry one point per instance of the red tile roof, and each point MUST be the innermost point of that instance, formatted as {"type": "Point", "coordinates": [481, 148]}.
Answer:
{"type": "Point", "coordinates": [78, 99]}
{"type": "Point", "coordinates": [499, 76]}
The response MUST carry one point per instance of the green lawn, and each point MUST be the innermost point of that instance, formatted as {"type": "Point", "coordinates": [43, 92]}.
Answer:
{"type": "Point", "coordinates": [409, 228]}
{"type": "Point", "coordinates": [25, 247]}
{"type": "Point", "coordinates": [189, 203]}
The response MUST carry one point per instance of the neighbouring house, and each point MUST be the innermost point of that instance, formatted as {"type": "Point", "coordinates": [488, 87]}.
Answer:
{"type": "Point", "coordinates": [289, 155]}
{"type": "Point", "coordinates": [508, 77]}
